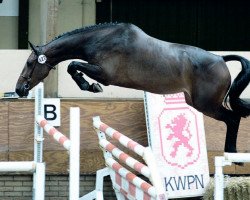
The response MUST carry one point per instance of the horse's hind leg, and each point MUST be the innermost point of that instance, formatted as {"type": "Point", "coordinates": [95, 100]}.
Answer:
{"type": "Point", "coordinates": [89, 70]}
{"type": "Point", "coordinates": [219, 112]}
{"type": "Point", "coordinates": [232, 122]}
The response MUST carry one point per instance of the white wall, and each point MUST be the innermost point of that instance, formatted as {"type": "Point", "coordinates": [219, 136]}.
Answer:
{"type": "Point", "coordinates": [12, 62]}
{"type": "Point", "coordinates": [11, 65]}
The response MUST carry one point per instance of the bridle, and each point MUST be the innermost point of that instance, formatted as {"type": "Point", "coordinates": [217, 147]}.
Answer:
{"type": "Point", "coordinates": [41, 59]}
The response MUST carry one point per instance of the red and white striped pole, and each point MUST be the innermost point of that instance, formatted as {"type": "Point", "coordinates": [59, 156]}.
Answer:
{"type": "Point", "coordinates": [135, 180]}
{"type": "Point", "coordinates": [122, 139]}
{"type": "Point", "coordinates": [125, 158]}
{"type": "Point", "coordinates": [52, 131]}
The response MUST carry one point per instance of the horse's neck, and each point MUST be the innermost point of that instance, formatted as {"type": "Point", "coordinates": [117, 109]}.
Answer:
{"type": "Point", "coordinates": [75, 46]}
{"type": "Point", "coordinates": [58, 51]}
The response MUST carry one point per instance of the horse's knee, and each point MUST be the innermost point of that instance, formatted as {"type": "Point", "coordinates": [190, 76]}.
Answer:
{"type": "Point", "coordinates": [72, 67]}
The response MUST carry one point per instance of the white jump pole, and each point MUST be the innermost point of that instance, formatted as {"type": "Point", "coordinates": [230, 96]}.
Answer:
{"type": "Point", "coordinates": [39, 184]}
{"type": "Point", "coordinates": [39, 110]}
{"type": "Point", "coordinates": [220, 162]}
{"type": "Point", "coordinates": [39, 173]}
{"type": "Point", "coordinates": [26, 166]}
{"type": "Point", "coordinates": [74, 163]}
{"type": "Point", "coordinates": [219, 178]}
{"type": "Point", "coordinates": [237, 157]}
{"type": "Point", "coordinates": [29, 166]}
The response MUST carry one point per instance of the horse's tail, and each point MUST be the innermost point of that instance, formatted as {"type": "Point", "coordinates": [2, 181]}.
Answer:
{"type": "Point", "coordinates": [238, 105]}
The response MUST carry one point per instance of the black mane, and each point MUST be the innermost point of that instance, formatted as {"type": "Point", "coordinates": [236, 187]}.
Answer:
{"type": "Point", "coordinates": [84, 29]}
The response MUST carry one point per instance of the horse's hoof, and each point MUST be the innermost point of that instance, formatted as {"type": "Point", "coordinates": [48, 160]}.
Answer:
{"type": "Point", "coordinates": [97, 88]}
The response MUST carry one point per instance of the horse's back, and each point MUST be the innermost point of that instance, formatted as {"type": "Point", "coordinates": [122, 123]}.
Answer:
{"type": "Point", "coordinates": [140, 61]}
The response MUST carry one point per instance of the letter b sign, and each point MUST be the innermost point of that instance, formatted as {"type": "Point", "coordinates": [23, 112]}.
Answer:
{"type": "Point", "coordinates": [52, 111]}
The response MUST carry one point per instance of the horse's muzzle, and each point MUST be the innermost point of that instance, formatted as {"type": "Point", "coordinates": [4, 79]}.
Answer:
{"type": "Point", "coordinates": [22, 90]}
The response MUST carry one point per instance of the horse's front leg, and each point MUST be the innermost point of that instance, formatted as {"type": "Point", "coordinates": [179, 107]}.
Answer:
{"type": "Point", "coordinates": [88, 69]}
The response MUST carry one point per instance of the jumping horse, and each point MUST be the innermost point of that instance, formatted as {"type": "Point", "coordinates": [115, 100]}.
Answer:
{"type": "Point", "coordinates": [122, 54]}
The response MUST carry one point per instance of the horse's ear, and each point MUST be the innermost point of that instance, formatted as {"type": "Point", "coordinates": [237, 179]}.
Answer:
{"type": "Point", "coordinates": [33, 48]}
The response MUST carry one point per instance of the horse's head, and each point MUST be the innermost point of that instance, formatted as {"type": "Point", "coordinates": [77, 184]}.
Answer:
{"type": "Point", "coordinates": [35, 70]}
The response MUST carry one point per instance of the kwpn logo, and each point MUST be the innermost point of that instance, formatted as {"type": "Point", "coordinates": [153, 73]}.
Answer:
{"type": "Point", "coordinates": [179, 137]}
{"type": "Point", "coordinates": [180, 132]}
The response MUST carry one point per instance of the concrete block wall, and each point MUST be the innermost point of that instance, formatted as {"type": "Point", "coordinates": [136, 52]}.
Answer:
{"type": "Point", "coordinates": [19, 187]}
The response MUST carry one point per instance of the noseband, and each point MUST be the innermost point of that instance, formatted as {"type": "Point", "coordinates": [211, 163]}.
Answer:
{"type": "Point", "coordinates": [41, 58]}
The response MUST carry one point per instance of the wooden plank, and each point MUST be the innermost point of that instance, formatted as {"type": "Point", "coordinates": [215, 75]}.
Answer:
{"type": "Point", "coordinates": [21, 126]}
{"type": "Point", "coordinates": [4, 156]}
{"type": "Point", "coordinates": [126, 116]}
{"type": "Point", "coordinates": [4, 121]}
{"type": "Point", "coordinates": [21, 156]}
{"type": "Point", "coordinates": [57, 162]}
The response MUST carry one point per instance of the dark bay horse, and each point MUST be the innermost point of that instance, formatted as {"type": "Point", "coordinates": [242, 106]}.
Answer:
{"type": "Point", "coordinates": [123, 55]}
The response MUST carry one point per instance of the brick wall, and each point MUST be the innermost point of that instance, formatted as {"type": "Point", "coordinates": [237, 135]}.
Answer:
{"type": "Point", "coordinates": [19, 187]}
